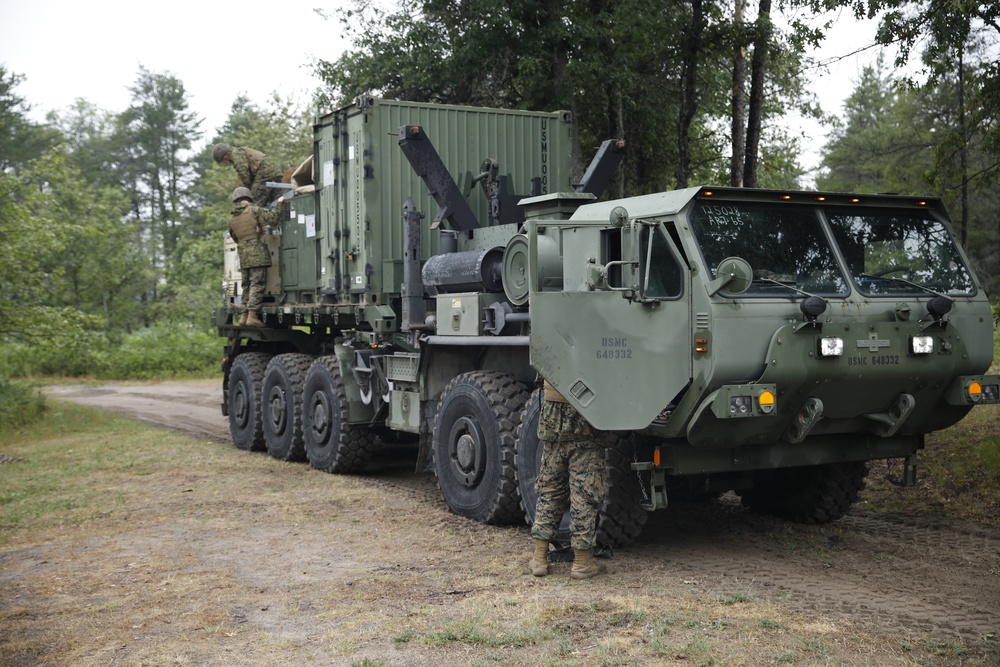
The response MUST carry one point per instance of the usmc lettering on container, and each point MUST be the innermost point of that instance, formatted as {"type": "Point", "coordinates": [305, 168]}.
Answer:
{"type": "Point", "coordinates": [613, 348]}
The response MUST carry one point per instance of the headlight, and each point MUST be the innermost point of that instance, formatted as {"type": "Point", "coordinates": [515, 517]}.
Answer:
{"type": "Point", "coordinates": [921, 344]}
{"type": "Point", "coordinates": [831, 347]}
{"type": "Point", "coordinates": [739, 405]}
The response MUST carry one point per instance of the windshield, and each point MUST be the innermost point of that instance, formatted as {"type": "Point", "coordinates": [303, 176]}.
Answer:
{"type": "Point", "coordinates": [785, 245]}
{"type": "Point", "coordinates": [895, 252]}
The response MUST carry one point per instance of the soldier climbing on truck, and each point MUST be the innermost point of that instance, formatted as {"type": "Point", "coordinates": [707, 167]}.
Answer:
{"type": "Point", "coordinates": [767, 342]}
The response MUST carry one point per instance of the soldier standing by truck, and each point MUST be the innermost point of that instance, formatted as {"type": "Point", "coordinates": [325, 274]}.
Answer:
{"type": "Point", "coordinates": [247, 224]}
{"type": "Point", "coordinates": [253, 168]}
{"type": "Point", "coordinates": [571, 476]}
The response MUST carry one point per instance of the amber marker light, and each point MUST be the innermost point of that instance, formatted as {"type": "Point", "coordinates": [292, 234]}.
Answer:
{"type": "Point", "coordinates": [820, 198]}
{"type": "Point", "coordinates": [855, 200]}
{"type": "Point", "coordinates": [975, 391]}
{"type": "Point", "coordinates": [701, 345]}
{"type": "Point", "coordinates": [656, 457]}
{"type": "Point", "coordinates": [708, 193]}
{"type": "Point", "coordinates": [786, 197]}
{"type": "Point", "coordinates": [921, 203]}
{"type": "Point", "coordinates": [766, 401]}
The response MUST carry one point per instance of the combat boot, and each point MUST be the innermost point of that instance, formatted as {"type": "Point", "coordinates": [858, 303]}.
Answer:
{"type": "Point", "coordinates": [585, 567]}
{"type": "Point", "coordinates": [253, 320]}
{"type": "Point", "coordinates": [243, 319]}
{"type": "Point", "coordinates": [539, 563]}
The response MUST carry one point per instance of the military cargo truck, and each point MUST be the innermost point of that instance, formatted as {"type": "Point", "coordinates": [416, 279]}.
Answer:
{"type": "Point", "coordinates": [771, 343]}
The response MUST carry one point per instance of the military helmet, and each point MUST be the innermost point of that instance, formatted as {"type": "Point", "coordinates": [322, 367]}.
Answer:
{"type": "Point", "coordinates": [240, 193]}
{"type": "Point", "coordinates": [220, 151]}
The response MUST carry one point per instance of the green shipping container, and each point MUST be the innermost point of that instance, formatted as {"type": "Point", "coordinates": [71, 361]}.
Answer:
{"type": "Point", "coordinates": [343, 244]}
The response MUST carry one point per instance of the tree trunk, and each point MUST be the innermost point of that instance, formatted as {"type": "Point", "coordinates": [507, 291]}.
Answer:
{"type": "Point", "coordinates": [963, 152]}
{"type": "Point", "coordinates": [739, 101]}
{"type": "Point", "coordinates": [689, 87]}
{"type": "Point", "coordinates": [618, 182]}
{"type": "Point", "coordinates": [758, 68]}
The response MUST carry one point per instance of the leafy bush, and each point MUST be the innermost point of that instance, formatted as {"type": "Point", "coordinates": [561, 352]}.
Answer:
{"type": "Point", "coordinates": [164, 350]}
{"type": "Point", "coordinates": [61, 356]}
{"type": "Point", "coordinates": [20, 405]}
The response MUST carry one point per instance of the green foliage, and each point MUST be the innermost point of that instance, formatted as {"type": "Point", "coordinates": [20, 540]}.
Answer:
{"type": "Point", "coordinates": [21, 140]}
{"type": "Point", "coordinates": [61, 275]}
{"type": "Point", "coordinates": [59, 355]}
{"type": "Point", "coordinates": [115, 228]}
{"type": "Point", "coordinates": [617, 65]}
{"type": "Point", "coordinates": [20, 405]}
{"type": "Point", "coordinates": [158, 130]}
{"type": "Point", "coordinates": [894, 138]}
{"type": "Point", "coordinates": [162, 351]}
{"type": "Point", "coordinates": [882, 145]}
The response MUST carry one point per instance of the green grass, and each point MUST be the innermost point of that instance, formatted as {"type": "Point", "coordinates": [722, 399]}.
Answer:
{"type": "Point", "coordinates": [65, 466]}
{"type": "Point", "coordinates": [20, 405]}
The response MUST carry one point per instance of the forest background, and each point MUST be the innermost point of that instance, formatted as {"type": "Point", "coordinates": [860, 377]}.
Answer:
{"type": "Point", "coordinates": [111, 221]}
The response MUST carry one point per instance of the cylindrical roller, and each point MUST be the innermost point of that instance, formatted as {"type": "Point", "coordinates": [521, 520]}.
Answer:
{"type": "Point", "coordinates": [470, 271]}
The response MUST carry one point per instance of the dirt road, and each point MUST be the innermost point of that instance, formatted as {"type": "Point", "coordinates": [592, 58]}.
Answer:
{"type": "Point", "coordinates": [889, 576]}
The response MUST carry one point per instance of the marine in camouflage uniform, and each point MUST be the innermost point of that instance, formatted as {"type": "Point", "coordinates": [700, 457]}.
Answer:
{"type": "Point", "coordinates": [247, 224]}
{"type": "Point", "coordinates": [254, 170]}
{"type": "Point", "coordinates": [571, 477]}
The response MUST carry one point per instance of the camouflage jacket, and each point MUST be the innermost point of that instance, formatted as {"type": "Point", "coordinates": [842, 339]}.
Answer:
{"type": "Point", "coordinates": [252, 165]}
{"type": "Point", "coordinates": [252, 251]}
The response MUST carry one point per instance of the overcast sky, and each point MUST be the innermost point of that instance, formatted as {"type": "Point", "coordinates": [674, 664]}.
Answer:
{"type": "Point", "coordinates": [68, 49]}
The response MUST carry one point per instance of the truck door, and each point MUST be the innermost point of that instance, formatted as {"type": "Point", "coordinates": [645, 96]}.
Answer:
{"type": "Point", "coordinates": [620, 353]}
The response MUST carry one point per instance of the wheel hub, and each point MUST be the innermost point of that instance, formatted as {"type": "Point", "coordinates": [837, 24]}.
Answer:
{"type": "Point", "coordinates": [320, 417]}
{"type": "Point", "coordinates": [241, 407]}
{"type": "Point", "coordinates": [277, 409]}
{"type": "Point", "coordinates": [467, 455]}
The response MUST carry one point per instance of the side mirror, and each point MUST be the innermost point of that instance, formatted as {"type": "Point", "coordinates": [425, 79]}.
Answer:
{"type": "Point", "coordinates": [733, 275]}
{"type": "Point", "coordinates": [624, 271]}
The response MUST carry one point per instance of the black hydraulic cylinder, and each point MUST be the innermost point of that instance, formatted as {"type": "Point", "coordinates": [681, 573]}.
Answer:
{"type": "Point", "coordinates": [412, 289]}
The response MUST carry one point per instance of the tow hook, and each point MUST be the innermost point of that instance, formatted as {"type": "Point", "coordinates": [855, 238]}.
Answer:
{"type": "Point", "coordinates": [909, 476]}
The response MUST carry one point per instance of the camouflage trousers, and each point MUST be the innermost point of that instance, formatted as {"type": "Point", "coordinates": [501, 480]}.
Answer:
{"type": "Point", "coordinates": [571, 476]}
{"type": "Point", "coordinates": [259, 192]}
{"type": "Point", "coordinates": [253, 284]}
{"type": "Point", "coordinates": [263, 195]}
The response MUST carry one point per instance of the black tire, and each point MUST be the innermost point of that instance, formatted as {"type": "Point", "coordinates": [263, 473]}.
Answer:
{"type": "Point", "coordinates": [281, 406]}
{"type": "Point", "coordinates": [621, 518]}
{"type": "Point", "coordinates": [331, 444]}
{"type": "Point", "coordinates": [246, 377]}
{"type": "Point", "coordinates": [529, 455]}
{"type": "Point", "coordinates": [474, 437]}
{"type": "Point", "coordinates": [811, 494]}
